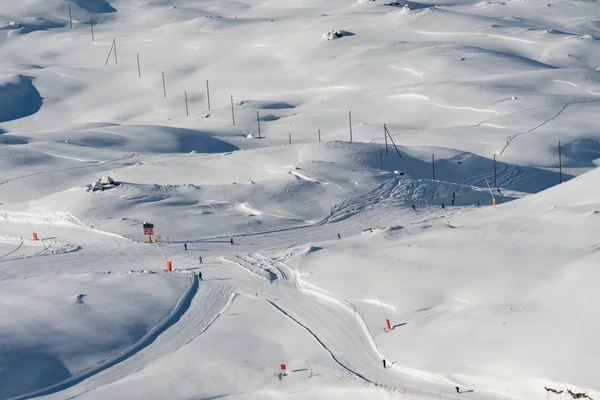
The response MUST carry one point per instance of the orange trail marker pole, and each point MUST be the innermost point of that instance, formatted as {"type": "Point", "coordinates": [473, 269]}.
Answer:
{"type": "Point", "coordinates": [35, 237]}
{"type": "Point", "coordinates": [388, 325]}
{"type": "Point", "coordinates": [169, 266]}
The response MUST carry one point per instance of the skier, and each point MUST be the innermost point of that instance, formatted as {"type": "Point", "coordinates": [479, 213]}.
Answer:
{"type": "Point", "coordinates": [200, 275]}
{"type": "Point", "coordinates": [443, 206]}
{"type": "Point", "coordinates": [200, 260]}
{"type": "Point", "coordinates": [231, 241]}
{"type": "Point", "coordinates": [477, 203]}
{"type": "Point", "coordinates": [457, 389]}
{"type": "Point", "coordinates": [384, 363]}
{"type": "Point", "coordinates": [414, 208]}
{"type": "Point", "coordinates": [453, 201]}
{"type": "Point", "coordinates": [185, 246]}
{"type": "Point", "coordinates": [339, 237]}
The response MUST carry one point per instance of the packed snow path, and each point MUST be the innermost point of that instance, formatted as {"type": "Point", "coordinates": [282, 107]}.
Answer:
{"type": "Point", "coordinates": [200, 306]}
{"type": "Point", "coordinates": [336, 325]}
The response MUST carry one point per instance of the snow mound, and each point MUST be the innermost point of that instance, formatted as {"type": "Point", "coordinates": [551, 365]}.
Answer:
{"type": "Point", "coordinates": [336, 34]}
{"type": "Point", "coordinates": [33, 24]}
{"type": "Point", "coordinates": [107, 180]}
{"type": "Point", "coordinates": [143, 139]}
{"type": "Point", "coordinates": [96, 187]}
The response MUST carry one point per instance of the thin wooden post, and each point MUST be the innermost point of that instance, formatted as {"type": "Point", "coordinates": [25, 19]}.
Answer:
{"type": "Point", "coordinates": [433, 165]}
{"type": "Point", "coordinates": [164, 86]}
{"type": "Point", "coordinates": [258, 122]}
{"type": "Point", "coordinates": [392, 140]}
{"type": "Point", "coordinates": [208, 94]}
{"type": "Point", "coordinates": [92, 28]}
{"type": "Point", "coordinates": [319, 132]}
{"type": "Point", "coordinates": [70, 17]}
{"type": "Point", "coordinates": [109, 53]}
{"type": "Point", "coordinates": [385, 136]}
{"type": "Point", "coordinates": [139, 69]}
{"type": "Point", "coordinates": [560, 162]}
{"type": "Point", "coordinates": [290, 138]}
{"type": "Point", "coordinates": [187, 111]}
{"type": "Point", "coordinates": [350, 120]}
{"type": "Point", "coordinates": [232, 112]}
{"type": "Point", "coordinates": [495, 171]}
{"type": "Point", "coordinates": [115, 44]}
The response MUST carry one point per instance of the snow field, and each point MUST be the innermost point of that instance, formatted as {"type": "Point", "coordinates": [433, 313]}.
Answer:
{"type": "Point", "coordinates": [499, 301]}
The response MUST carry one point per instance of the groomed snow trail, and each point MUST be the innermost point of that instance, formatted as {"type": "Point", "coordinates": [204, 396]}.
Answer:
{"type": "Point", "coordinates": [336, 325]}
{"type": "Point", "coordinates": [196, 311]}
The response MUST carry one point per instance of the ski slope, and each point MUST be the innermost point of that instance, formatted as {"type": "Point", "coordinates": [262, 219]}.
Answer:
{"type": "Point", "coordinates": [352, 150]}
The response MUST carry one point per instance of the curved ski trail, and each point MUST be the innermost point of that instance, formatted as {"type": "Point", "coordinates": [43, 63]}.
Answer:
{"type": "Point", "coordinates": [196, 311]}
{"type": "Point", "coordinates": [337, 326]}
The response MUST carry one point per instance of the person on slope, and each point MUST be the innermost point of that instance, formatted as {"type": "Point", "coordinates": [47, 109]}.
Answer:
{"type": "Point", "coordinates": [414, 208]}
{"type": "Point", "coordinates": [200, 275]}
{"type": "Point", "coordinates": [384, 364]}
{"type": "Point", "coordinates": [200, 260]}
{"type": "Point", "coordinates": [443, 206]}
{"type": "Point", "coordinates": [185, 246]}
{"type": "Point", "coordinates": [457, 389]}
{"type": "Point", "coordinates": [231, 241]}
{"type": "Point", "coordinates": [339, 237]}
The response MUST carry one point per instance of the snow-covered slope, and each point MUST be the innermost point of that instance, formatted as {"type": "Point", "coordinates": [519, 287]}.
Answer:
{"type": "Point", "coordinates": [333, 164]}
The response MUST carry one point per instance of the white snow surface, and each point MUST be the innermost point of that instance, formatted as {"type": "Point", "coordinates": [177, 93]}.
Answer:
{"type": "Point", "coordinates": [499, 301]}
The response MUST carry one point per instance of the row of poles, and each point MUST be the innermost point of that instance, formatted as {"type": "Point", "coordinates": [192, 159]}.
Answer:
{"type": "Point", "coordinates": [113, 49]}
{"type": "Point", "coordinates": [387, 134]}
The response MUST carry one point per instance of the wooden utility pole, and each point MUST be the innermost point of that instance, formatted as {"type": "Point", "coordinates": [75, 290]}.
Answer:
{"type": "Point", "coordinates": [350, 119]}
{"type": "Point", "coordinates": [433, 165]}
{"type": "Point", "coordinates": [139, 69]}
{"type": "Point", "coordinates": [560, 162]}
{"type": "Point", "coordinates": [164, 86]}
{"type": "Point", "coordinates": [392, 140]}
{"type": "Point", "coordinates": [495, 171]}
{"type": "Point", "coordinates": [92, 28]}
{"type": "Point", "coordinates": [385, 136]}
{"type": "Point", "coordinates": [319, 132]}
{"type": "Point", "coordinates": [208, 94]}
{"type": "Point", "coordinates": [109, 53]}
{"type": "Point", "coordinates": [232, 112]}
{"type": "Point", "coordinates": [70, 17]}
{"type": "Point", "coordinates": [187, 111]}
{"type": "Point", "coordinates": [258, 123]}
{"type": "Point", "coordinates": [115, 46]}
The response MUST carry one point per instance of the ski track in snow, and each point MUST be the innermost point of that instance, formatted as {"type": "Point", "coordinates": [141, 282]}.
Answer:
{"type": "Point", "coordinates": [512, 137]}
{"type": "Point", "coordinates": [74, 158]}
{"type": "Point", "coordinates": [425, 98]}
{"type": "Point", "coordinates": [337, 326]}
{"type": "Point", "coordinates": [15, 250]}
{"type": "Point", "coordinates": [195, 312]}
{"type": "Point", "coordinates": [129, 156]}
